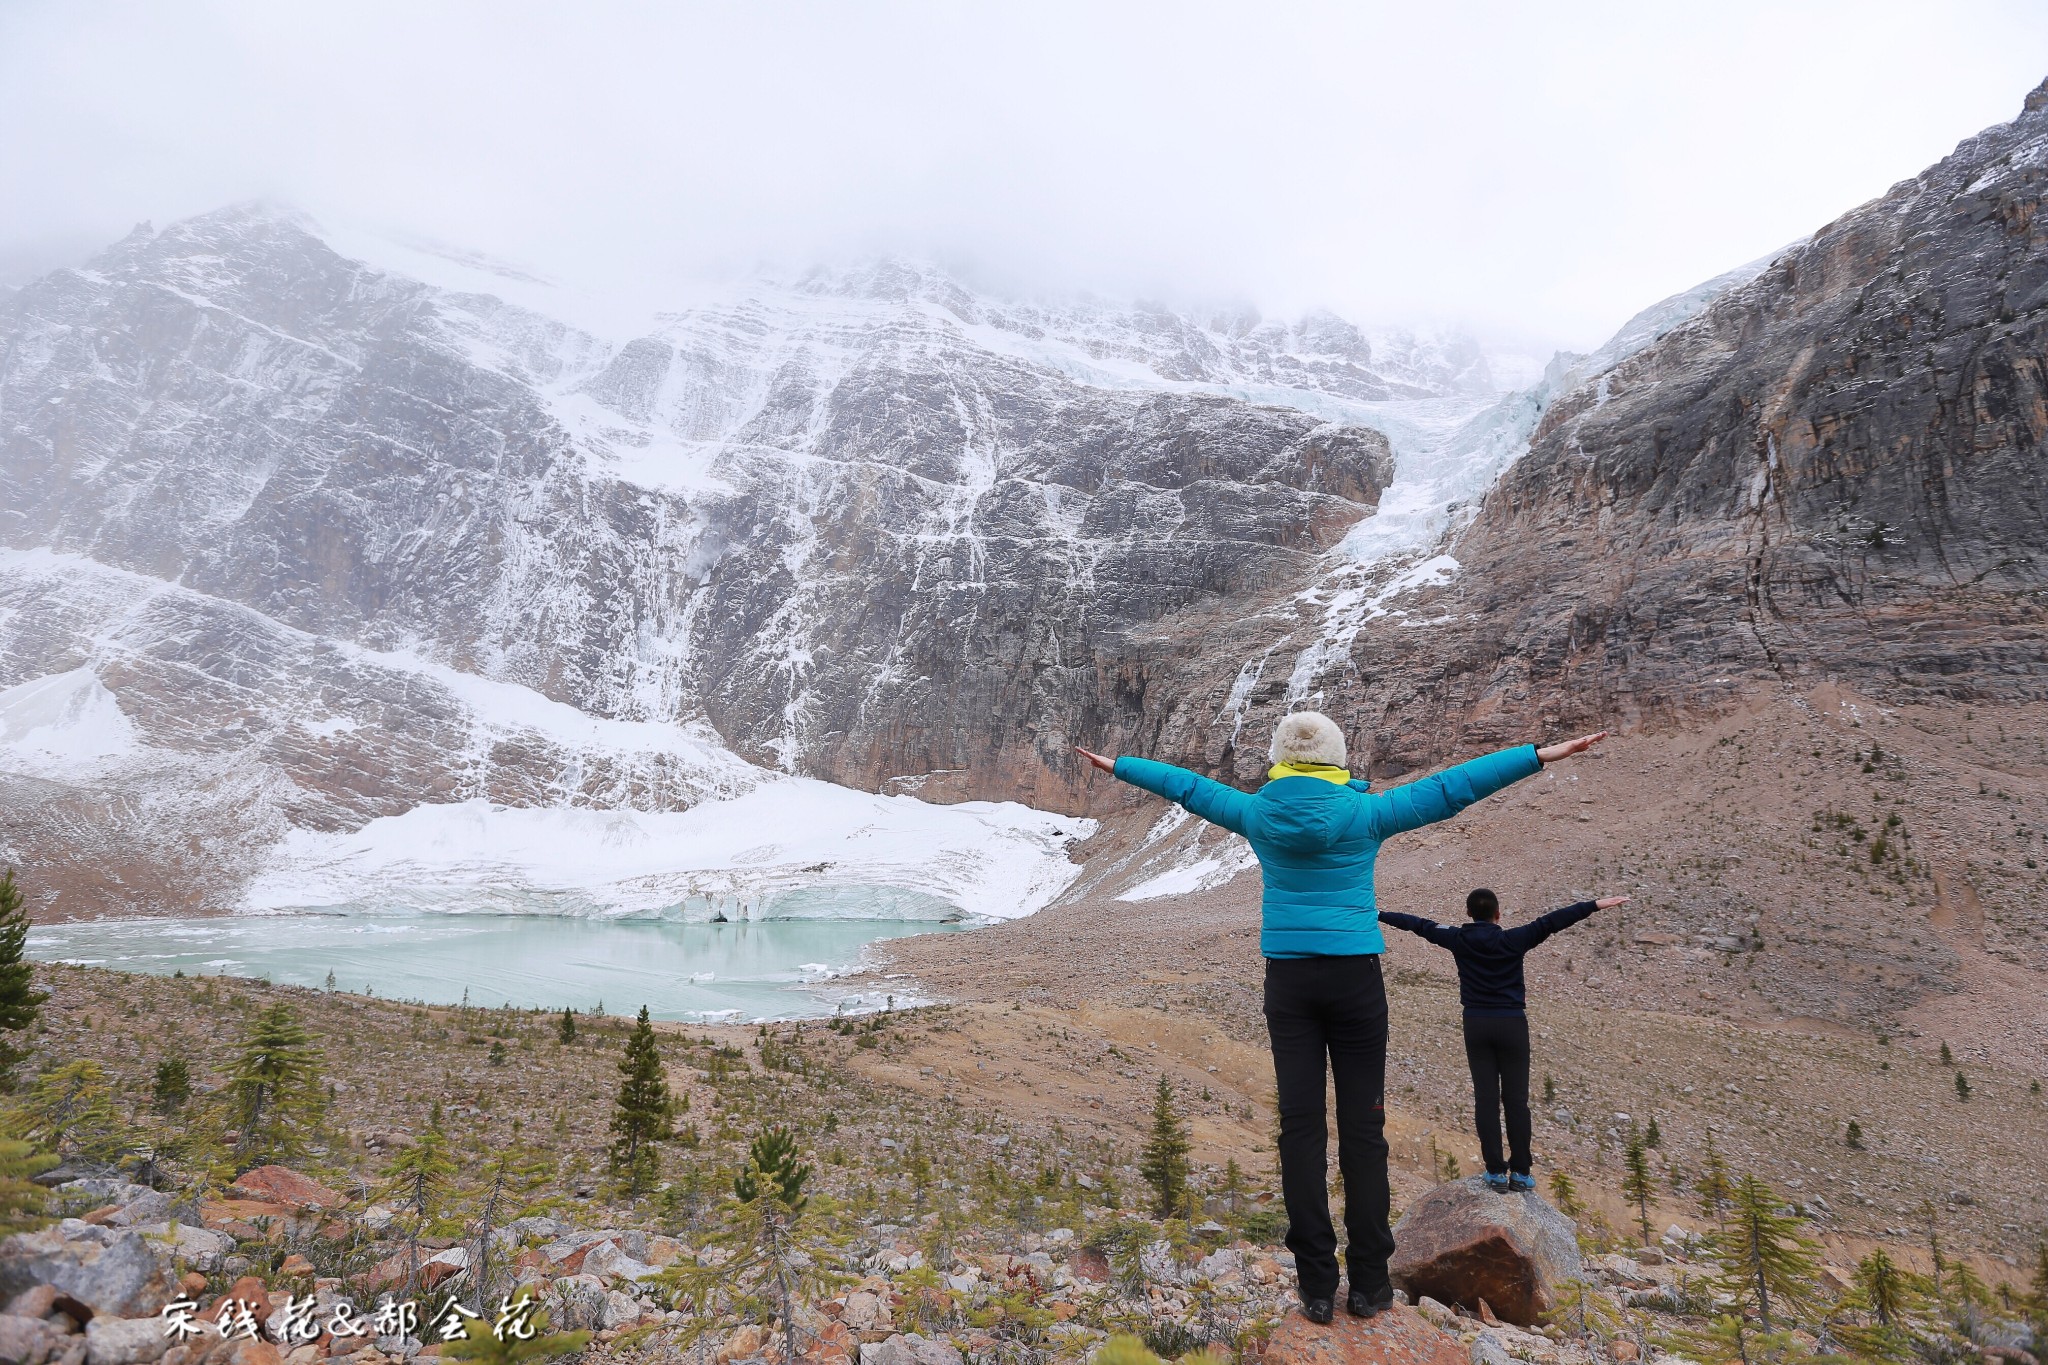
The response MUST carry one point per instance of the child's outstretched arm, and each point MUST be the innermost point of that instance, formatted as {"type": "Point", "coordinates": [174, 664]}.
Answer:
{"type": "Point", "coordinates": [1527, 936]}
{"type": "Point", "coordinates": [1206, 797]}
{"type": "Point", "coordinates": [1442, 935]}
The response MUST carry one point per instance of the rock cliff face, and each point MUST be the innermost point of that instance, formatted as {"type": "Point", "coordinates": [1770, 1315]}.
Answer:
{"type": "Point", "coordinates": [1834, 471]}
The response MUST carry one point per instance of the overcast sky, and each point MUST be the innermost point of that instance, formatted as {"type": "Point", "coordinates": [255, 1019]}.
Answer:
{"type": "Point", "coordinates": [1532, 170]}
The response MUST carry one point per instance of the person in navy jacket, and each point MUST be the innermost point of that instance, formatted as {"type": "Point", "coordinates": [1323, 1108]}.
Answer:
{"type": "Point", "coordinates": [1491, 989]}
{"type": "Point", "coordinates": [1317, 831]}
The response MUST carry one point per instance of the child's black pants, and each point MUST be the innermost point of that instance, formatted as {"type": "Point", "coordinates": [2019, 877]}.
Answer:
{"type": "Point", "coordinates": [1497, 1049]}
{"type": "Point", "coordinates": [1332, 1010]}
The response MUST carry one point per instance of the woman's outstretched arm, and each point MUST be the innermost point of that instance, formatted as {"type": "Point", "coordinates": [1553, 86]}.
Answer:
{"type": "Point", "coordinates": [1214, 802]}
{"type": "Point", "coordinates": [1444, 794]}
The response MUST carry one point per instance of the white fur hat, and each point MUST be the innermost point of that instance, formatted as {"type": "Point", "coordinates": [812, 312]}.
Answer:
{"type": "Point", "coordinates": [1308, 737]}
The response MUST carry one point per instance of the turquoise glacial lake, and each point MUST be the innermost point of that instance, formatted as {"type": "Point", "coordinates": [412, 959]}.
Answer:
{"type": "Point", "coordinates": [761, 969]}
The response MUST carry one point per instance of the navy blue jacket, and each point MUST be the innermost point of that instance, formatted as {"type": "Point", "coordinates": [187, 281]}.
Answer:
{"type": "Point", "coordinates": [1490, 957]}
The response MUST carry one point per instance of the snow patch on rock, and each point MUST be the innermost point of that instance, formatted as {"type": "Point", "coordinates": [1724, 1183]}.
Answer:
{"type": "Point", "coordinates": [55, 726]}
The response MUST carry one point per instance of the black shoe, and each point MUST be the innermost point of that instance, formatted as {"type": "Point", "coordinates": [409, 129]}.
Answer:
{"type": "Point", "coordinates": [1360, 1304]}
{"type": "Point", "coordinates": [1318, 1311]}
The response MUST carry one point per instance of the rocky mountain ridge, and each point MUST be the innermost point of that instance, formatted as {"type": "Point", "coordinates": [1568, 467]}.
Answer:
{"type": "Point", "coordinates": [286, 506]}
{"type": "Point", "coordinates": [320, 540]}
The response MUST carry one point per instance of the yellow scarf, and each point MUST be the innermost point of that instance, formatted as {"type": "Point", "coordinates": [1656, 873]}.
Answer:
{"type": "Point", "coordinates": [1323, 770]}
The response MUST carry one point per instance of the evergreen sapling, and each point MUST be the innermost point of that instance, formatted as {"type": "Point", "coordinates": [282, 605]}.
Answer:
{"type": "Point", "coordinates": [1636, 1184]}
{"type": "Point", "coordinates": [20, 1002]}
{"type": "Point", "coordinates": [644, 1114]}
{"type": "Point", "coordinates": [1164, 1162]}
{"type": "Point", "coordinates": [275, 1088]}
{"type": "Point", "coordinates": [1768, 1263]}
{"type": "Point", "coordinates": [24, 1205]}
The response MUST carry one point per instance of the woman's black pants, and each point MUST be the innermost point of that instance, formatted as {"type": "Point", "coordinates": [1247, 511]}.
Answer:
{"type": "Point", "coordinates": [1497, 1050]}
{"type": "Point", "coordinates": [1334, 1007]}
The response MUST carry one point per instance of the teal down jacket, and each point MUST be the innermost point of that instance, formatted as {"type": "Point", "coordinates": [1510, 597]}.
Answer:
{"type": "Point", "coordinates": [1317, 840]}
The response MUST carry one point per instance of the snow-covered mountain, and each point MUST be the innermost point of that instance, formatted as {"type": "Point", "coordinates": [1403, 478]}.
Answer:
{"type": "Point", "coordinates": [306, 529]}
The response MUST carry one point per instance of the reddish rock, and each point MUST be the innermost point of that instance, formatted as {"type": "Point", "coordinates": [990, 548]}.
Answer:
{"type": "Point", "coordinates": [1462, 1242]}
{"type": "Point", "coordinates": [1398, 1336]}
{"type": "Point", "coordinates": [385, 1273]}
{"type": "Point", "coordinates": [833, 1345]}
{"type": "Point", "coordinates": [1090, 1265]}
{"type": "Point", "coordinates": [433, 1274]}
{"type": "Point", "coordinates": [243, 1351]}
{"type": "Point", "coordinates": [103, 1216]}
{"type": "Point", "coordinates": [191, 1283]}
{"type": "Point", "coordinates": [282, 1185]}
{"type": "Point", "coordinates": [572, 1264]}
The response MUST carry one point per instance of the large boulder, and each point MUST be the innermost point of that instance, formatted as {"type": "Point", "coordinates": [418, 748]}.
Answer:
{"type": "Point", "coordinates": [1398, 1336]}
{"type": "Point", "coordinates": [1462, 1242]}
{"type": "Point", "coordinates": [111, 1271]}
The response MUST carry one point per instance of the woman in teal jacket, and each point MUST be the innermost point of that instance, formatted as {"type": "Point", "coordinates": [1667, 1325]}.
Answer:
{"type": "Point", "coordinates": [1316, 831]}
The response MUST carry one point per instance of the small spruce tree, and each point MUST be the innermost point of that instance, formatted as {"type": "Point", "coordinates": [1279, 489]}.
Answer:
{"type": "Point", "coordinates": [775, 1254]}
{"type": "Point", "coordinates": [1164, 1162]}
{"type": "Point", "coordinates": [1715, 1188]}
{"type": "Point", "coordinates": [565, 1031]}
{"type": "Point", "coordinates": [24, 1205]}
{"type": "Point", "coordinates": [2037, 1290]}
{"type": "Point", "coordinates": [520, 1172]}
{"type": "Point", "coordinates": [1583, 1311]}
{"type": "Point", "coordinates": [1962, 1088]}
{"type": "Point", "coordinates": [1936, 1281]}
{"type": "Point", "coordinates": [1947, 1058]}
{"type": "Point", "coordinates": [172, 1087]}
{"type": "Point", "coordinates": [70, 1111]}
{"type": "Point", "coordinates": [1853, 1136]}
{"type": "Point", "coordinates": [1887, 1292]}
{"type": "Point", "coordinates": [1652, 1136]}
{"type": "Point", "coordinates": [1636, 1185]}
{"type": "Point", "coordinates": [1564, 1193]}
{"type": "Point", "coordinates": [1768, 1263]}
{"type": "Point", "coordinates": [275, 1088]}
{"type": "Point", "coordinates": [20, 1001]}
{"type": "Point", "coordinates": [419, 1178]}
{"type": "Point", "coordinates": [645, 1112]}
{"type": "Point", "coordinates": [1233, 1188]}
{"type": "Point", "coordinates": [491, 1340]}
